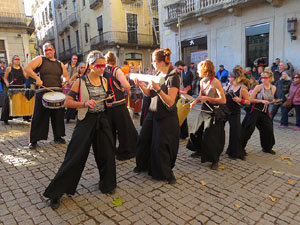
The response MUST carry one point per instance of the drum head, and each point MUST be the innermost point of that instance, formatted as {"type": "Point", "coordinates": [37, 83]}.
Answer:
{"type": "Point", "coordinates": [54, 96]}
{"type": "Point", "coordinates": [187, 97]}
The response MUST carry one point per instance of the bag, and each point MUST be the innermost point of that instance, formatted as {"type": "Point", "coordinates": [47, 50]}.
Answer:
{"type": "Point", "coordinates": [221, 113]}
{"type": "Point", "coordinates": [288, 103]}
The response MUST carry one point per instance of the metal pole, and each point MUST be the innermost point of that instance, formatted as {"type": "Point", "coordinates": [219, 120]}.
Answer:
{"type": "Point", "coordinates": [179, 37]}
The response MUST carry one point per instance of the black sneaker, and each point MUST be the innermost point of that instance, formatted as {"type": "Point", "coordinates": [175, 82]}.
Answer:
{"type": "Point", "coordinates": [269, 151]}
{"type": "Point", "coordinates": [6, 122]}
{"type": "Point", "coordinates": [54, 203]}
{"type": "Point", "coordinates": [32, 145]}
{"type": "Point", "coordinates": [60, 140]}
{"type": "Point", "coordinates": [196, 155]}
{"type": "Point", "coordinates": [111, 192]}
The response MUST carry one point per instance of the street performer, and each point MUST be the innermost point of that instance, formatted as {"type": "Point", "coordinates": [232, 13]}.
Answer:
{"type": "Point", "coordinates": [50, 70]}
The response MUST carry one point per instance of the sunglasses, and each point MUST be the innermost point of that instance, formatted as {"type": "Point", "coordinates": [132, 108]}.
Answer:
{"type": "Point", "coordinates": [265, 77]}
{"type": "Point", "coordinates": [296, 77]}
{"type": "Point", "coordinates": [48, 50]}
{"type": "Point", "coordinates": [99, 66]}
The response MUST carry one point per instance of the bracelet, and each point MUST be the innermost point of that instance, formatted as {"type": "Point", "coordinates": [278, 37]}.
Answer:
{"type": "Point", "coordinates": [243, 101]}
{"type": "Point", "coordinates": [158, 91]}
{"type": "Point", "coordinates": [83, 104]}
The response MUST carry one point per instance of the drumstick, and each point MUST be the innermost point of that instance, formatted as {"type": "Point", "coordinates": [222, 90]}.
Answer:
{"type": "Point", "coordinates": [47, 88]}
{"type": "Point", "coordinates": [101, 100]}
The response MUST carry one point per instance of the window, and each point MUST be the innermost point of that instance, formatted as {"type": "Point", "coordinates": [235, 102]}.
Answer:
{"type": "Point", "coordinates": [46, 14]}
{"type": "Point", "coordinates": [77, 42]}
{"type": "Point", "coordinates": [100, 27]}
{"type": "Point", "coordinates": [63, 44]}
{"type": "Point", "coordinates": [83, 3]}
{"type": "Point", "coordinates": [43, 17]}
{"type": "Point", "coordinates": [156, 25]}
{"type": "Point", "coordinates": [69, 42]}
{"type": "Point", "coordinates": [50, 11]}
{"type": "Point", "coordinates": [132, 27]}
{"type": "Point", "coordinates": [86, 34]}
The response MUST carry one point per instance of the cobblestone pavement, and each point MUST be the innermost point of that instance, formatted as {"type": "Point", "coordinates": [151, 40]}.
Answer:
{"type": "Point", "coordinates": [264, 189]}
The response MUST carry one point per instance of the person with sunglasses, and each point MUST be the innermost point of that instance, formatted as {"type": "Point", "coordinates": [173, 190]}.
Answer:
{"type": "Point", "coordinates": [14, 77]}
{"type": "Point", "coordinates": [236, 96]}
{"type": "Point", "coordinates": [70, 112]}
{"type": "Point", "coordinates": [259, 116]}
{"type": "Point", "coordinates": [158, 141]}
{"type": "Point", "coordinates": [294, 97]}
{"type": "Point", "coordinates": [92, 129]}
{"type": "Point", "coordinates": [50, 72]}
{"type": "Point", "coordinates": [118, 114]}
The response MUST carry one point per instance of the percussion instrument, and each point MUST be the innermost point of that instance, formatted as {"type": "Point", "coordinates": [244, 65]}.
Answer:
{"type": "Point", "coordinates": [183, 107]}
{"type": "Point", "coordinates": [21, 101]}
{"type": "Point", "coordinates": [136, 99]}
{"type": "Point", "coordinates": [147, 78]}
{"type": "Point", "coordinates": [53, 100]}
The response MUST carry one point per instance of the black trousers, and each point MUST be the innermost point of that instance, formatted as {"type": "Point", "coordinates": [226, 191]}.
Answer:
{"type": "Point", "coordinates": [207, 138]}
{"type": "Point", "coordinates": [122, 125]}
{"type": "Point", "coordinates": [5, 109]}
{"type": "Point", "coordinates": [235, 132]}
{"type": "Point", "coordinates": [264, 124]}
{"type": "Point", "coordinates": [184, 130]}
{"type": "Point", "coordinates": [40, 121]}
{"type": "Point", "coordinates": [157, 145]}
{"type": "Point", "coordinates": [93, 130]}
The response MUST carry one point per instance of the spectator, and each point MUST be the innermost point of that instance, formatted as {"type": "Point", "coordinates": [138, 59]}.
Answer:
{"type": "Point", "coordinates": [282, 90]}
{"type": "Point", "coordinates": [260, 70]}
{"type": "Point", "coordinates": [282, 67]}
{"type": "Point", "coordinates": [2, 72]}
{"type": "Point", "coordinates": [275, 65]}
{"type": "Point", "coordinates": [125, 68]}
{"type": "Point", "coordinates": [255, 73]}
{"type": "Point", "coordinates": [294, 95]}
{"type": "Point", "coordinates": [248, 72]}
{"type": "Point", "coordinates": [222, 75]}
{"type": "Point", "coordinates": [195, 84]}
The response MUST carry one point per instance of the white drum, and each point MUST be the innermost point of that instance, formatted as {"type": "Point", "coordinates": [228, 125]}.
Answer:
{"type": "Point", "coordinates": [54, 100]}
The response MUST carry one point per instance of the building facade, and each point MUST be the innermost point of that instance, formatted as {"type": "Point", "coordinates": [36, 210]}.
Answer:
{"type": "Point", "coordinates": [124, 27]}
{"type": "Point", "coordinates": [231, 32]}
{"type": "Point", "coordinates": [15, 31]}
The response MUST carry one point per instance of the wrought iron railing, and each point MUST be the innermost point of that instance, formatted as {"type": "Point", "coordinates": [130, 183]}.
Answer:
{"type": "Point", "coordinates": [119, 37]}
{"type": "Point", "coordinates": [13, 18]}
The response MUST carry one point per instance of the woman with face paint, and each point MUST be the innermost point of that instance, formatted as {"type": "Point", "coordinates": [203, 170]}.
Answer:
{"type": "Point", "coordinates": [14, 77]}
{"type": "Point", "coordinates": [259, 116]}
{"type": "Point", "coordinates": [92, 129]}
{"type": "Point", "coordinates": [236, 96]}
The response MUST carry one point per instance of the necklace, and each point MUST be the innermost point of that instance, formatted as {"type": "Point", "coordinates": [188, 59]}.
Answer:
{"type": "Point", "coordinates": [95, 83]}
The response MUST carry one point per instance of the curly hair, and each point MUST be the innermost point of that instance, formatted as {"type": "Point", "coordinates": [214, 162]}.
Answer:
{"type": "Point", "coordinates": [240, 77]}
{"type": "Point", "coordinates": [268, 73]}
{"type": "Point", "coordinates": [162, 54]}
{"type": "Point", "coordinates": [206, 68]}
{"type": "Point", "coordinates": [110, 58]}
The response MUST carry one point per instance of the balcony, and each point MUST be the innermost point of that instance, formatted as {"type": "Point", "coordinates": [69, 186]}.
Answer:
{"type": "Point", "coordinates": [16, 20]}
{"type": "Point", "coordinates": [73, 19]}
{"type": "Point", "coordinates": [60, 29]}
{"type": "Point", "coordinates": [66, 25]}
{"type": "Point", "coordinates": [65, 55]}
{"type": "Point", "coordinates": [112, 38]}
{"type": "Point", "coordinates": [95, 3]}
{"type": "Point", "coordinates": [128, 1]}
{"type": "Point", "coordinates": [57, 4]}
{"type": "Point", "coordinates": [194, 9]}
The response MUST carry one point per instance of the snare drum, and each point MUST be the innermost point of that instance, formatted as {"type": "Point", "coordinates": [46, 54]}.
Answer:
{"type": "Point", "coordinates": [183, 107]}
{"type": "Point", "coordinates": [54, 100]}
{"type": "Point", "coordinates": [21, 101]}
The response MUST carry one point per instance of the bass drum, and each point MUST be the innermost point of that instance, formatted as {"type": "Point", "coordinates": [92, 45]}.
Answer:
{"type": "Point", "coordinates": [183, 107]}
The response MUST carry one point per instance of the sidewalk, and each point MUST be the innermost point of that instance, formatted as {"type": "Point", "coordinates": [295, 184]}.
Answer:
{"type": "Point", "coordinates": [264, 189]}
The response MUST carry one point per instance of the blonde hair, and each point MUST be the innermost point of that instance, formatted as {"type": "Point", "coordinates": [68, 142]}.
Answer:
{"type": "Point", "coordinates": [206, 68]}
{"type": "Point", "coordinates": [110, 58]}
{"type": "Point", "coordinates": [268, 73]}
{"type": "Point", "coordinates": [240, 77]}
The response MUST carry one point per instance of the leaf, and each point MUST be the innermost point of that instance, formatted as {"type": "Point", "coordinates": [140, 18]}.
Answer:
{"type": "Point", "coordinates": [181, 158]}
{"type": "Point", "coordinates": [202, 182]}
{"type": "Point", "coordinates": [291, 182]}
{"type": "Point", "coordinates": [274, 149]}
{"type": "Point", "coordinates": [276, 172]}
{"type": "Point", "coordinates": [117, 202]}
{"type": "Point", "coordinates": [286, 157]}
{"type": "Point", "coordinates": [236, 205]}
{"type": "Point", "coordinates": [290, 163]}
{"type": "Point", "coordinates": [273, 198]}
{"type": "Point", "coordinates": [221, 167]}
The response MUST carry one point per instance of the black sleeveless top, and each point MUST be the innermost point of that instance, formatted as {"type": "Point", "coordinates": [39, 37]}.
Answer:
{"type": "Point", "coordinates": [16, 76]}
{"type": "Point", "coordinates": [113, 83]}
{"type": "Point", "coordinates": [233, 106]}
{"type": "Point", "coordinates": [50, 72]}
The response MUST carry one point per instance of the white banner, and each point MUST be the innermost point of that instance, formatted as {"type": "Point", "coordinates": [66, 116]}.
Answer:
{"type": "Point", "coordinates": [197, 57]}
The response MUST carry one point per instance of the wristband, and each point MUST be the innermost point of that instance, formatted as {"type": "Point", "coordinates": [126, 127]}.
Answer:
{"type": "Point", "coordinates": [83, 104]}
{"type": "Point", "coordinates": [158, 91]}
{"type": "Point", "coordinates": [243, 101]}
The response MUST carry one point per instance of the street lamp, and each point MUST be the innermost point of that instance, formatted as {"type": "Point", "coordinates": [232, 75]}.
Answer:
{"type": "Point", "coordinates": [178, 6]}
